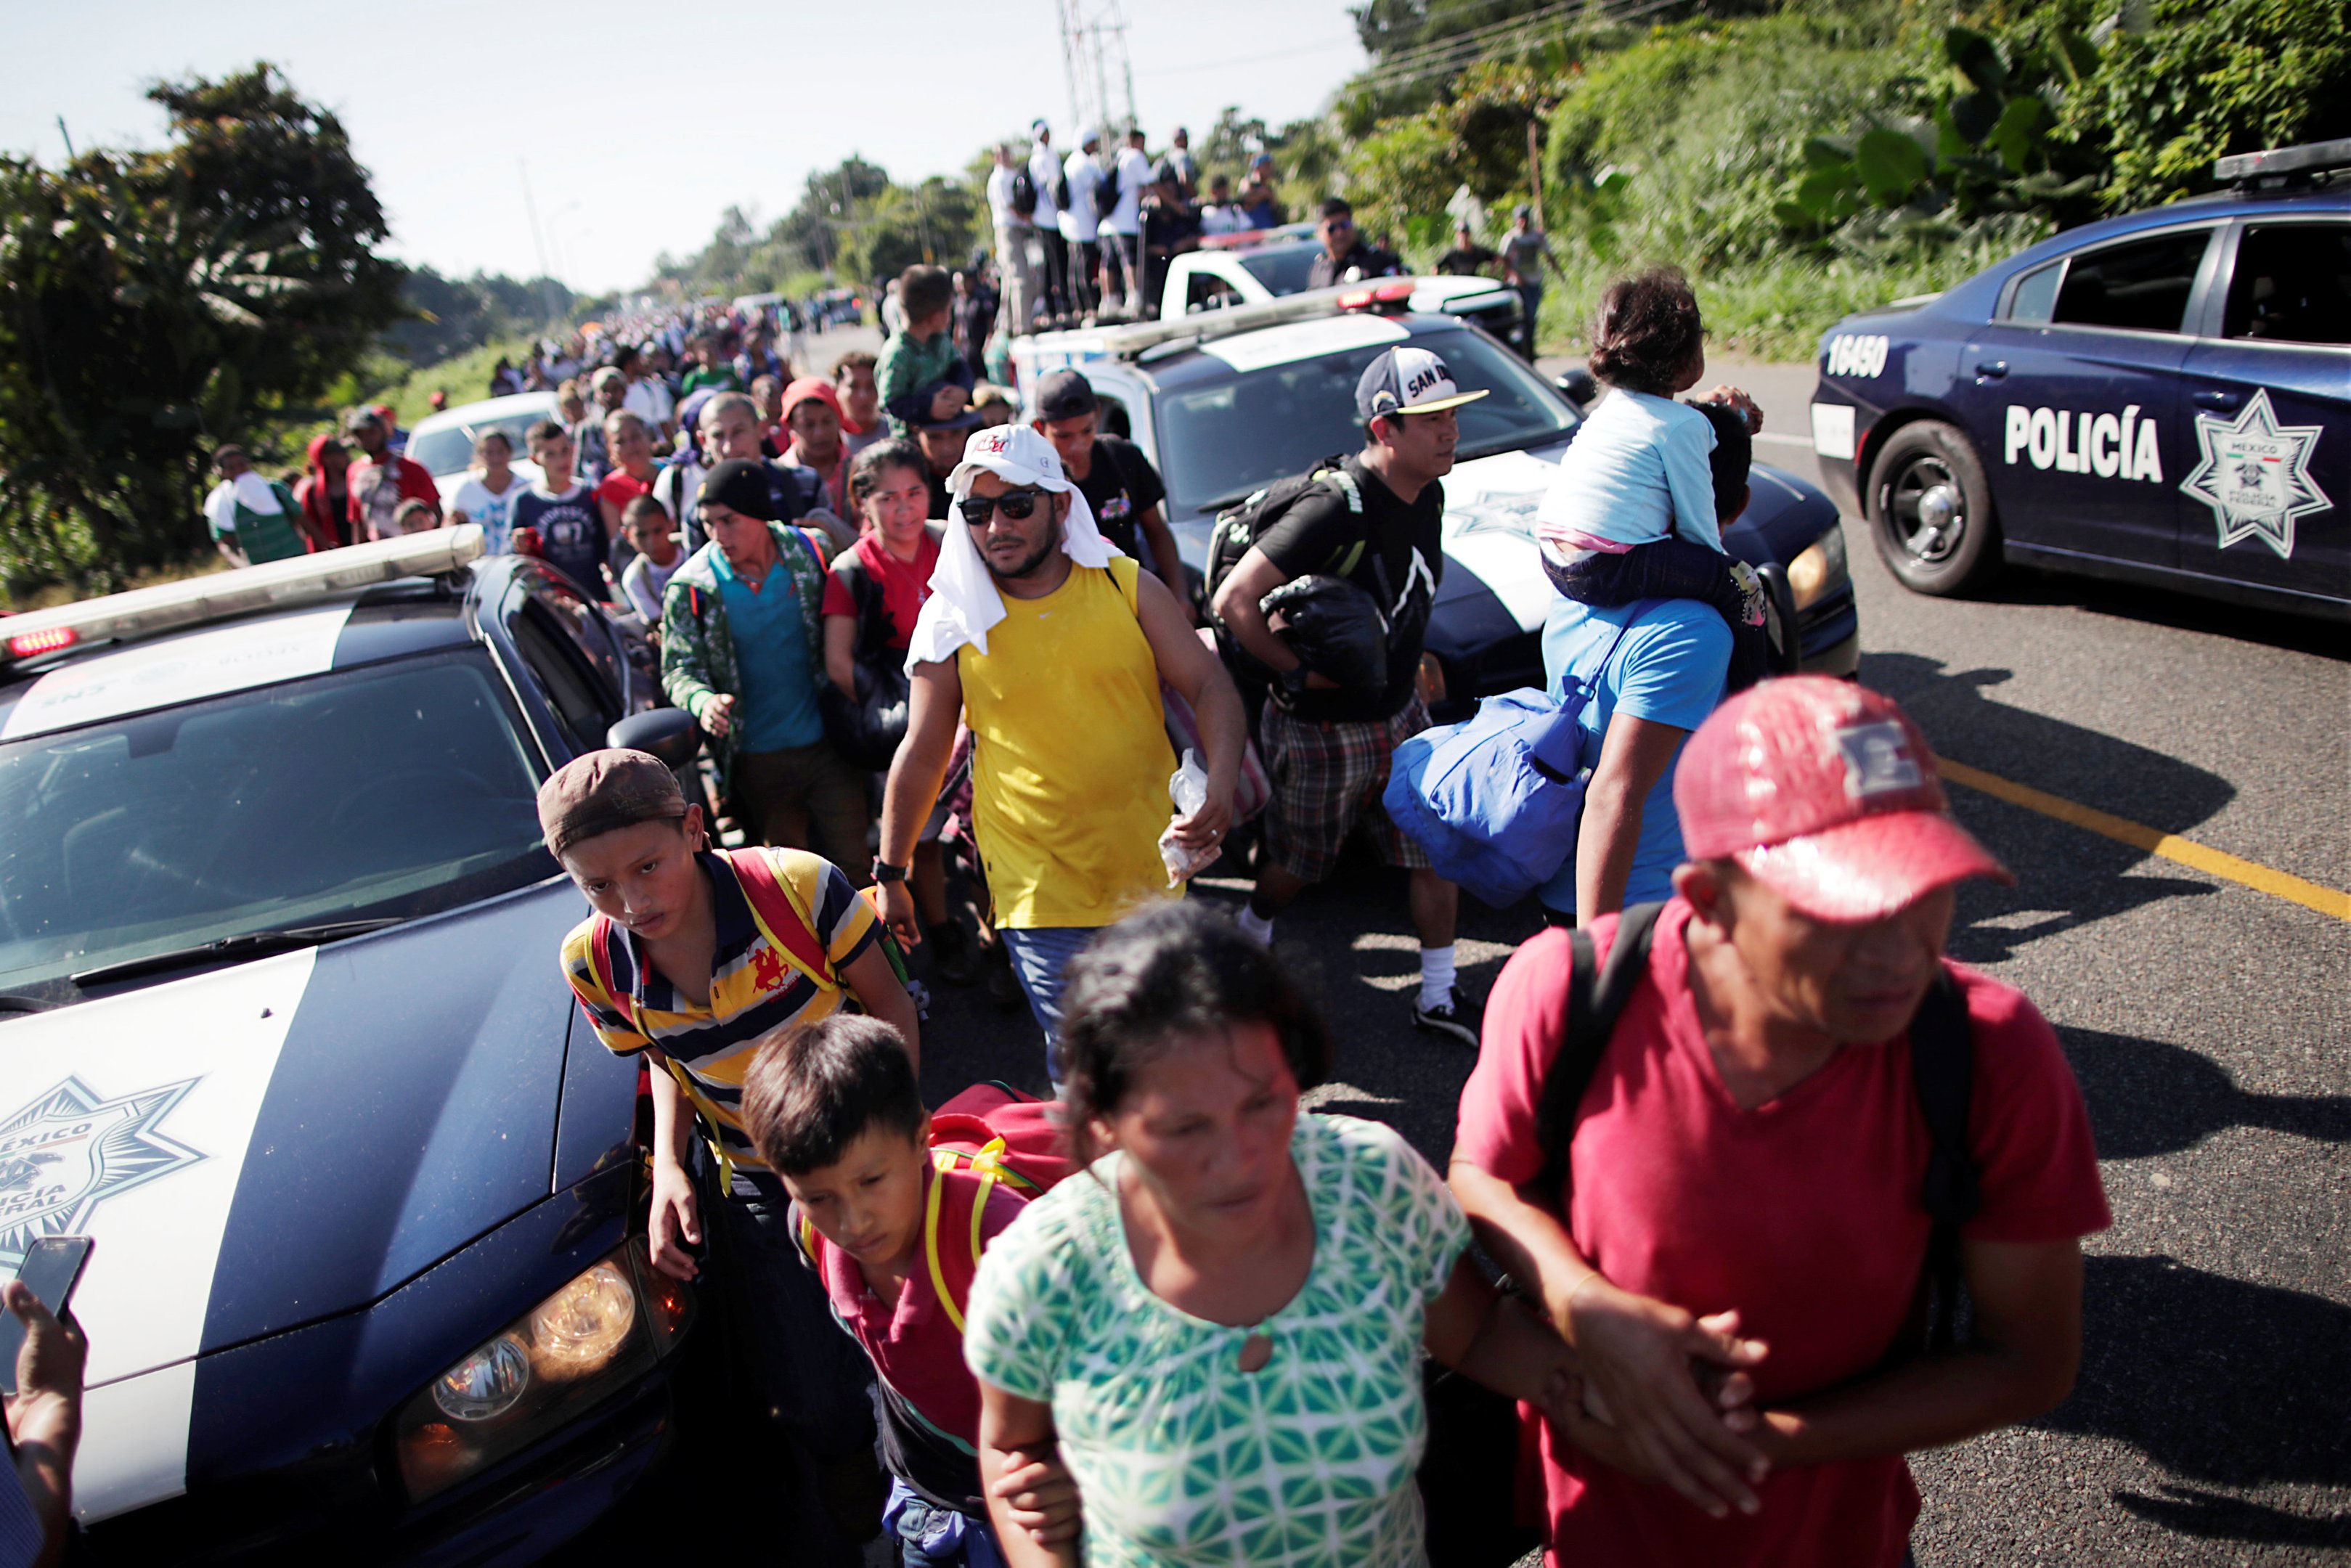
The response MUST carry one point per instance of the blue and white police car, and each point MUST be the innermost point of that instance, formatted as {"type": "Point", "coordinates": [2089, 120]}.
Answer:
{"type": "Point", "coordinates": [2163, 398]}
{"type": "Point", "coordinates": [282, 1028]}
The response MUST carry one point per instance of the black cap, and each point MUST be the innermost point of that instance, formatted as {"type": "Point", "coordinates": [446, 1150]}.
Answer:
{"type": "Point", "coordinates": [1065, 394]}
{"type": "Point", "coordinates": [739, 485]}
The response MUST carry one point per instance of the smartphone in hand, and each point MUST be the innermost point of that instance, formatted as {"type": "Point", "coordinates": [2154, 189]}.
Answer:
{"type": "Point", "coordinates": [51, 1268]}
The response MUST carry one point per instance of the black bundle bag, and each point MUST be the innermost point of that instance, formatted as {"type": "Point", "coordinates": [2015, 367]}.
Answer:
{"type": "Point", "coordinates": [866, 729]}
{"type": "Point", "coordinates": [1335, 628]}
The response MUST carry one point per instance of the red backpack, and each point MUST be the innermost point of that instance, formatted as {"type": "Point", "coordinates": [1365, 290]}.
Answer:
{"type": "Point", "coordinates": [1004, 1137]}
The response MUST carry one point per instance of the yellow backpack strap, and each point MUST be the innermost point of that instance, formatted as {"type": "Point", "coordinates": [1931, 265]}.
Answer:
{"type": "Point", "coordinates": [942, 1161]}
{"type": "Point", "coordinates": [990, 1168]}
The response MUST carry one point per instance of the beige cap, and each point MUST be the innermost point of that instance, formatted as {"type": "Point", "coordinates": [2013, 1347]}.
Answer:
{"type": "Point", "coordinates": [605, 791]}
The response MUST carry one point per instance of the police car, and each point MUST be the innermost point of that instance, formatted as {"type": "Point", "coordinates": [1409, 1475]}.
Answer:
{"type": "Point", "coordinates": [282, 1028]}
{"type": "Point", "coordinates": [1228, 270]}
{"type": "Point", "coordinates": [1227, 402]}
{"type": "Point", "coordinates": [444, 442]}
{"type": "Point", "coordinates": [2163, 398]}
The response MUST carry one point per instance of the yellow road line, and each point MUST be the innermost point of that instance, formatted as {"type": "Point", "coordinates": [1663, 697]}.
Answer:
{"type": "Point", "coordinates": [2155, 841]}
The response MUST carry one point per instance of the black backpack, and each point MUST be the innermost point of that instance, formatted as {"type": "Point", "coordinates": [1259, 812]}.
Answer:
{"type": "Point", "coordinates": [1942, 1065]}
{"type": "Point", "coordinates": [1240, 526]}
{"type": "Point", "coordinates": [1106, 194]}
{"type": "Point", "coordinates": [1024, 193]}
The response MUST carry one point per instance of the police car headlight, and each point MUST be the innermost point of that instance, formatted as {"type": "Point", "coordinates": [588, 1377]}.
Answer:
{"type": "Point", "coordinates": [605, 1328]}
{"type": "Point", "coordinates": [1819, 568]}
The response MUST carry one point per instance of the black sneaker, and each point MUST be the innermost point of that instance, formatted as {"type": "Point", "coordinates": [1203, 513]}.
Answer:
{"type": "Point", "coordinates": [1457, 1018]}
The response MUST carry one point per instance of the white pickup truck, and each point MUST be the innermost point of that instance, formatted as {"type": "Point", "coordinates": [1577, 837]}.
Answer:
{"type": "Point", "coordinates": [1248, 269]}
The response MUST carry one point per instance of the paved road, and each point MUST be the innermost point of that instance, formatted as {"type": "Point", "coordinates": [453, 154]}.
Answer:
{"type": "Point", "coordinates": [2206, 1023]}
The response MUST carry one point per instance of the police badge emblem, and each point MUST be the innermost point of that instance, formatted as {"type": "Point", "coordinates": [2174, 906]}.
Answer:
{"type": "Point", "coordinates": [2255, 475]}
{"type": "Point", "coordinates": [71, 1149]}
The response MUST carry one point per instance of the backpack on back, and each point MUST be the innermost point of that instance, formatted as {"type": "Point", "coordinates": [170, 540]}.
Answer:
{"type": "Point", "coordinates": [1006, 1139]}
{"type": "Point", "coordinates": [1942, 1070]}
{"type": "Point", "coordinates": [1240, 526]}
{"type": "Point", "coordinates": [1024, 193]}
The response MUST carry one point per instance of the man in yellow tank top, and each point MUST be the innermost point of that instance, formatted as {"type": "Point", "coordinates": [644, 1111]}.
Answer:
{"type": "Point", "coordinates": [1052, 646]}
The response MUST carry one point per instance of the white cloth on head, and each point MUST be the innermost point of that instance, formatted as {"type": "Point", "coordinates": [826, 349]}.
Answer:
{"type": "Point", "coordinates": [965, 601]}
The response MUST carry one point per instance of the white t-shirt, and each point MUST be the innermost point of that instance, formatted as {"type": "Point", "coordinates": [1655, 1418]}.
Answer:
{"type": "Point", "coordinates": [1134, 175]}
{"type": "Point", "coordinates": [644, 583]}
{"type": "Point", "coordinates": [493, 510]}
{"type": "Point", "coordinates": [650, 401]}
{"type": "Point", "coordinates": [1042, 167]}
{"type": "Point", "coordinates": [999, 198]}
{"type": "Point", "coordinates": [1079, 223]}
{"type": "Point", "coordinates": [248, 487]}
{"type": "Point", "coordinates": [1221, 220]}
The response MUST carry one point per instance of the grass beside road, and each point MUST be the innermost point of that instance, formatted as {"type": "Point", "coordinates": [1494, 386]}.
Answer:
{"type": "Point", "coordinates": [465, 378]}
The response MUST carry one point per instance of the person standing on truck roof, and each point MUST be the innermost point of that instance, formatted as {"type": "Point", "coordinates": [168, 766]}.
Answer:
{"type": "Point", "coordinates": [1015, 237]}
{"type": "Point", "coordinates": [1045, 172]}
{"type": "Point", "coordinates": [1081, 221]}
{"type": "Point", "coordinates": [1119, 483]}
{"type": "Point", "coordinates": [1329, 748]}
{"type": "Point", "coordinates": [1122, 229]}
{"type": "Point", "coordinates": [1258, 205]}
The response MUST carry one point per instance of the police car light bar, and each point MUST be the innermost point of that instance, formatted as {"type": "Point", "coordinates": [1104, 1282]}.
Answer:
{"type": "Point", "coordinates": [2316, 157]}
{"type": "Point", "coordinates": [143, 611]}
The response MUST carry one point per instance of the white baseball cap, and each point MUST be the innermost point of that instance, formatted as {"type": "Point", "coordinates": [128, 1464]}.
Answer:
{"type": "Point", "coordinates": [1408, 380]}
{"type": "Point", "coordinates": [1015, 453]}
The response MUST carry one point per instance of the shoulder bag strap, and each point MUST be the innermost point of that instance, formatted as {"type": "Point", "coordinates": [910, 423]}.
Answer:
{"type": "Point", "coordinates": [1942, 1068]}
{"type": "Point", "coordinates": [1594, 1002]}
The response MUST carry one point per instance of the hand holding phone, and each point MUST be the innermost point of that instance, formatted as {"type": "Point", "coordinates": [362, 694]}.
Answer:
{"type": "Point", "coordinates": [51, 1269]}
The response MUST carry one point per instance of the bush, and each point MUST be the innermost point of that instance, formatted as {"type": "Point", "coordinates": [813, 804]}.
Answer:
{"type": "Point", "coordinates": [2206, 81]}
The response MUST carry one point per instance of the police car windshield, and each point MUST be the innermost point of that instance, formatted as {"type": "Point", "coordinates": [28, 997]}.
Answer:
{"type": "Point", "coordinates": [389, 791]}
{"type": "Point", "coordinates": [1221, 440]}
{"type": "Point", "coordinates": [1283, 269]}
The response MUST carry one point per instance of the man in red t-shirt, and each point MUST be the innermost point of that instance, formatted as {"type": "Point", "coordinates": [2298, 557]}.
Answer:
{"type": "Point", "coordinates": [1751, 1144]}
{"type": "Point", "coordinates": [382, 479]}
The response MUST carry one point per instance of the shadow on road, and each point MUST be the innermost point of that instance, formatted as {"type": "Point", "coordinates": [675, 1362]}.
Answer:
{"type": "Point", "coordinates": [2149, 1098]}
{"type": "Point", "coordinates": [2181, 611]}
{"type": "Point", "coordinates": [2220, 1382]}
{"type": "Point", "coordinates": [2066, 876]}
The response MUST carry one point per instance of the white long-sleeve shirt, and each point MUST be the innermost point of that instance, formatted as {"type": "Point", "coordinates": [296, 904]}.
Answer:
{"type": "Point", "coordinates": [1637, 472]}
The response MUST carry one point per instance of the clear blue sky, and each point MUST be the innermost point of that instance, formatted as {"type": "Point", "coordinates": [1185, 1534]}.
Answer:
{"type": "Point", "coordinates": [642, 122]}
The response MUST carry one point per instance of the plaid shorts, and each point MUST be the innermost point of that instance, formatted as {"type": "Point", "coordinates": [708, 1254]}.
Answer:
{"type": "Point", "coordinates": [1327, 777]}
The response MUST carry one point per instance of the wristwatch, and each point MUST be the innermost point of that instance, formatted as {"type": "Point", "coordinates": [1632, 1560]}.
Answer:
{"type": "Point", "coordinates": [1292, 681]}
{"type": "Point", "coordinates": [885, 872]}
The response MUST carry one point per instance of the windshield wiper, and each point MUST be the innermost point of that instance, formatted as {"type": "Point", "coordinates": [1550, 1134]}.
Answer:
{"type": "Point", "coordinates": [252, 944]}
{"type": "Point", "coordinates": [17, 1002]}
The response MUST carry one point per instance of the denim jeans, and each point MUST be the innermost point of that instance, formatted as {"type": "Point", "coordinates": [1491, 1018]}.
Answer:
{"type": "Point", "coordinates": [933, 1537]}
{"type": "Point", "coordinates": [1038, 955]}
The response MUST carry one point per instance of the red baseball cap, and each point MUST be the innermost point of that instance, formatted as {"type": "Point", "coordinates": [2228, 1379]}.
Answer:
{"type": "Point", "coordinates": [806, 387]}
{"type": "Point", "coordinates": [1825, 792]}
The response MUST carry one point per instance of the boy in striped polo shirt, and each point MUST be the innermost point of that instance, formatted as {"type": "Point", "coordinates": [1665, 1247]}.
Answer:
{"type": "Point", "coordinates": [692, 956]}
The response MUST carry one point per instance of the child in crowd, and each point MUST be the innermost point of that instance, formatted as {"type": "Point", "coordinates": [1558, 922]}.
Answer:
{"type": "Point", "coordinates": [489, 492]}
{"type": "Point", "coordinates": [414, 516]}
{"type": "Point", "coordinates": [833, 1109]}
{"type": "Point", "coordinates": [560, 511]}
{"type": "Point", "coordinates": [921, 379]}
{"type": "Point", "coordinates": [653, 536]}
{"type": "Point", "coordinates": [1632, 513]}
{"type": "Point", "coordinates": [862, 423]}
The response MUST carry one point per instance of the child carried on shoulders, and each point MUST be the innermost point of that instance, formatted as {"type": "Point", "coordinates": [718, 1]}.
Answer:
{"type": "Point", "coordinates": [1637, 507]}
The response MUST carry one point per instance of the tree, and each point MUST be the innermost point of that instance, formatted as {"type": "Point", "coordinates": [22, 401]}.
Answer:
{"type": "Point", "coordinates": [155, 304]}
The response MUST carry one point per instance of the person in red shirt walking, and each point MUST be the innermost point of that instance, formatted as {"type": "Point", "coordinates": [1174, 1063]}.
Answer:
{"type": "Point", "coordinates": [383, 478]}
{"type": "Point", "coordinates": [1796, 1074]}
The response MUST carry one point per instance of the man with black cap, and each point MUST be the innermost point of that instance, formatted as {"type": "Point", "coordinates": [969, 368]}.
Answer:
{"type": "Point", "coordinates": [1377, 525]}
{"type": "Point", "coordinates": [1800, 1111]}
{"type": "Point", "coordinates": [1344, 257]}
{"type": "Point", "coordinates": [743, 652]}
{"type": "Point", "coordinates": [1118, 482]}
{"type": "Point", "coordinates": [692, 958]}
{"type": "Point", "coordinates": [1052, 647]}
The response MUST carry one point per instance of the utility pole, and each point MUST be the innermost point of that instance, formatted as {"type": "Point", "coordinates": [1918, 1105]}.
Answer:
{"type": "Point", "coordinates": [537, 243]}
{"type": "Point", "coordinates": [67, 135]}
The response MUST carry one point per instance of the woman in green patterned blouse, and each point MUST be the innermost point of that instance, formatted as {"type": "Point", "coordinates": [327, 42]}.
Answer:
{"type": "Point", "coordinates": [1220, 1323]}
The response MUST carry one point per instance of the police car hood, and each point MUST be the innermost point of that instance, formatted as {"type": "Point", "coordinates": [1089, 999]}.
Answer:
{"type": "Point", "coordinates": [1489, 526]}
{"type": "Point", "coordinates": [264, 1145]}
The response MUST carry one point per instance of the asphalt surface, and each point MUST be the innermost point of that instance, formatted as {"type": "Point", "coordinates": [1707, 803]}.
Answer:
{"type": "Point", "coordinates": [2207, 1023]}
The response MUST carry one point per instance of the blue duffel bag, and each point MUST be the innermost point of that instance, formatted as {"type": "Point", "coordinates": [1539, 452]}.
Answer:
{"type": "Point", "coordinates": [1496, 799]}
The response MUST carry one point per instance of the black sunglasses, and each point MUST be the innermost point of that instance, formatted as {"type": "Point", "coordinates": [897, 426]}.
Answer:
{"type": "Point", "coordinates": [1015, 505]}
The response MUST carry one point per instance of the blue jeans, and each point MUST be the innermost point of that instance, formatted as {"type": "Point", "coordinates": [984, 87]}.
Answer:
{"type": "Point", "coordinates": [1038, 955]}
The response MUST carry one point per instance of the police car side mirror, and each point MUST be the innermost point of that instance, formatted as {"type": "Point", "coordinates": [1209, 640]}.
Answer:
{"type": "Point", "coordinates": [666, 733]}
{"type": "Point", "coordinates": [1577, 386]}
